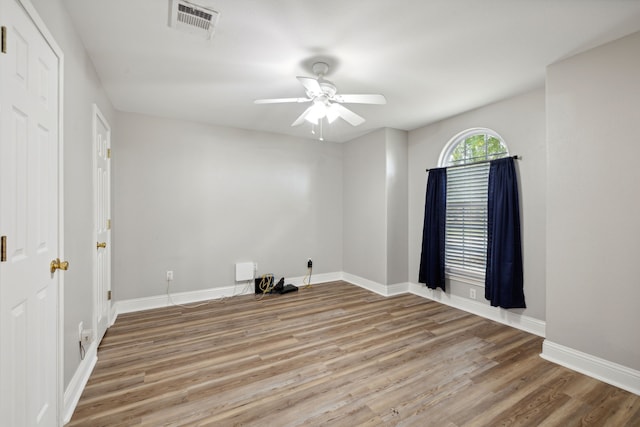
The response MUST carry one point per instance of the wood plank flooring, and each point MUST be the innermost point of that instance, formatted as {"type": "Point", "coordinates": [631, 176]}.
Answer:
{"type": "Point", "coordinates": [335, 355]}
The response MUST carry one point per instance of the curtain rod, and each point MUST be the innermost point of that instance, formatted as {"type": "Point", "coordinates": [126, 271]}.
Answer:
{"type": "Point", "coordinates": [516, 157]}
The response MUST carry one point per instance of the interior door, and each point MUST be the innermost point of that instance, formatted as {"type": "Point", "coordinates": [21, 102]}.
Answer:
{"type": "Point", "coordinates": [102, 209]}
{"type": "Point", "coordinates": [29, 218]}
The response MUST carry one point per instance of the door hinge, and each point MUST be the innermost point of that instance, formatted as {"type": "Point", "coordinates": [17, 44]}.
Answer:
{"type": "Point", "coordinates": [109, 295]}
{"type": "Point", "coordinates": [4, 39]}
{"type": "Point", "coordinates": [108, 224]}
{"type": "Point", "coordinates": [108, 153]}
{"type": "Point", "coordinates": [3, 249]}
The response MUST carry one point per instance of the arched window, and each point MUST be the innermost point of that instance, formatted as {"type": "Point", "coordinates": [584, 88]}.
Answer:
{"type": "Point", "coordinates": [466, 221]}
{"type": "Point", "coordinates": [471, 146]}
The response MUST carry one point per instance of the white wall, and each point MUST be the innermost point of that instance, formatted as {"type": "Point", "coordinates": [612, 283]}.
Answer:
{"type": "Point", "coordinates": [365, 213]}
{"type": "Point", "coordinates": [375, 206]}
{"type": "Point", "coordinates": [196, 199]}
{"type": "Point", "coordinates": [397, 149]}
{"type": "Point", "coordinates": [521, 122]}
{"type": "Point", "coordinates": [593, 291]}
{"type": "Point", "coordinates": [82, 89]}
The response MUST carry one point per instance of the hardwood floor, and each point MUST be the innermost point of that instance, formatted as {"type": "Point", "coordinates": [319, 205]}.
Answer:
{"type": "Point", "coordinates": [338, 355]}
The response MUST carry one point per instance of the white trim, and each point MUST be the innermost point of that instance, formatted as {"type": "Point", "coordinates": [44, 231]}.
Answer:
{"type": "Point", "coordinates": [240, 288]}
{"type": "Point", "coordinates": [500, 315]}
{"type": "Point", "coordinates": [506, 317]}
{"type": "Point", "coordinates": [315, 279]}
{"type": "Point", "coordinates": [367, 284]}
{"type": "Point", "coordinates": [113, 316]}
{"type": "Point", "coordinates": [79, 381]}
{"type": "Point", "coordinates": [378, 288]}
{"type": "Point", "coordinates": [159, 301]}
{"type": "Point", "coordinates": [398, 288]}
{"type": "Point", "coordinates": [61, 223]}
{"type": "Point", "coordinates": [600, 369]}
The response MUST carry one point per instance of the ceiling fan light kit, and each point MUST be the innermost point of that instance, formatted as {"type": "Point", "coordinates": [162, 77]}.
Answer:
{"type": "Point", "coordinates": [326, 102]}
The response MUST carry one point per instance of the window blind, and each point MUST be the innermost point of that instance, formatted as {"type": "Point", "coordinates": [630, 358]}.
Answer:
{"type": "Point", "coordinates": [466, 220]}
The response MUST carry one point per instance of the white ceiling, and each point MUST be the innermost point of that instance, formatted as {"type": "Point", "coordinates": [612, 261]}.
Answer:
{"type": "Point", "coordinates": [431, 58]}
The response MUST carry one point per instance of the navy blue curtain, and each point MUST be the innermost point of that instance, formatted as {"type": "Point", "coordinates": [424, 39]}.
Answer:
{"type": "Point", "coordinates": [432, 258]}
{"type": "Point", "coordinates": [503, 279]}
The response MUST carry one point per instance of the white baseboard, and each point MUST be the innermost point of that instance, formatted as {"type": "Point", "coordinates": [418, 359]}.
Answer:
{"type": "Point", "coordinates": [159, 301]}
{"type": "Point", "coordinates": [497, 314]}
{"type": "Point", "coordinates": [378, 288]}
{"type": "Point", "coordinates": [113, 314]}
{"type": "Point", "coordinates": [601, 369]}
{"type": "Point", "coordinates": [525, 323]}
{"type": "Point", "coordinates": [79, 380]}
{"type": "Point", "coordinates": [398, 288]}
{"type": "Point", "coordinates": [315, 279]}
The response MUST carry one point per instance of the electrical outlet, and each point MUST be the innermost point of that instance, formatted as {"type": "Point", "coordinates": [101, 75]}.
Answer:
{"type": "Point", "coordinates": [85, 336]}
{"type": "Point", "coordinates": [309, 263]}
{"type": "Point", "coordinates": [80, 329]}
{"type": "Point", "coordinates": [169, 274]}
{"type": "Point", "coordinates": [472, 293]}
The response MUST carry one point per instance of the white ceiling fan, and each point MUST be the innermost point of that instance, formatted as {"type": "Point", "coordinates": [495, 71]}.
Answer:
{"type": "Point", "coordinates": [326, 102]}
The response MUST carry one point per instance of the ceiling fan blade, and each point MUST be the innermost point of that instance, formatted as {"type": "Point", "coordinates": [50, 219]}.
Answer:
{"type": "Point", "coordinates": [360, 99]}
{"type": "Point", "coordinates": [348, 115]}
{"type": "Point", "coordinates": [302, 117]}
{"type": "Point", "coordinates": [311, 85]}
{"type": "Point", "coordinates": [280, 100]}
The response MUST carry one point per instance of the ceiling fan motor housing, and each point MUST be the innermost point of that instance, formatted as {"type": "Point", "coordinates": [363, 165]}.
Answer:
{"type": "Point", "coordinates": [328, 88]}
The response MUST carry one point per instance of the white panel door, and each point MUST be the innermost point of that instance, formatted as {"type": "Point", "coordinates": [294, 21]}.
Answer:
{"type": "Point", "coordinates": [29, 293]}
{"type": "Point", "coordinates": [102, 209]}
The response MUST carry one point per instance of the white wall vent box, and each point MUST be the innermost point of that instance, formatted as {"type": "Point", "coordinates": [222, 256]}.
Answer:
{"type": "Point", "coordinates": [244, 271]}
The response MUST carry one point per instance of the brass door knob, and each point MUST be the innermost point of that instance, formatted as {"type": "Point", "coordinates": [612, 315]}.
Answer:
{"type": "Point", "coordinates": [56, 264]}
{"type": "Point", "coordinates": [101, 245]}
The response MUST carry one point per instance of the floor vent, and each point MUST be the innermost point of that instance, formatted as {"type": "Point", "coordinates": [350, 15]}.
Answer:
{"type": "Point", "coordinates": [193, 18]}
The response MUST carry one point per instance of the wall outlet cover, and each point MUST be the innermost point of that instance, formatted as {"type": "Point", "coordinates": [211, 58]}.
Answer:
{"type": "Point", "coordinates": [85, 335]}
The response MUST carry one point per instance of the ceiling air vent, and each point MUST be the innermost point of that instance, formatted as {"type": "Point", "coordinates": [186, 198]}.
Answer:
{"type": "Point", "coordinates": [193, 18]}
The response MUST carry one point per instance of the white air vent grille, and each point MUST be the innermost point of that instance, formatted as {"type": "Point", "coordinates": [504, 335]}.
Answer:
{"type": "Point", "coordinates": [193, 18]}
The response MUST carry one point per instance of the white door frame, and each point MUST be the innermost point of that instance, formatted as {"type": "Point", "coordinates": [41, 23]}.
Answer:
{"type": "Point", "coordinates": [39, 23]}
